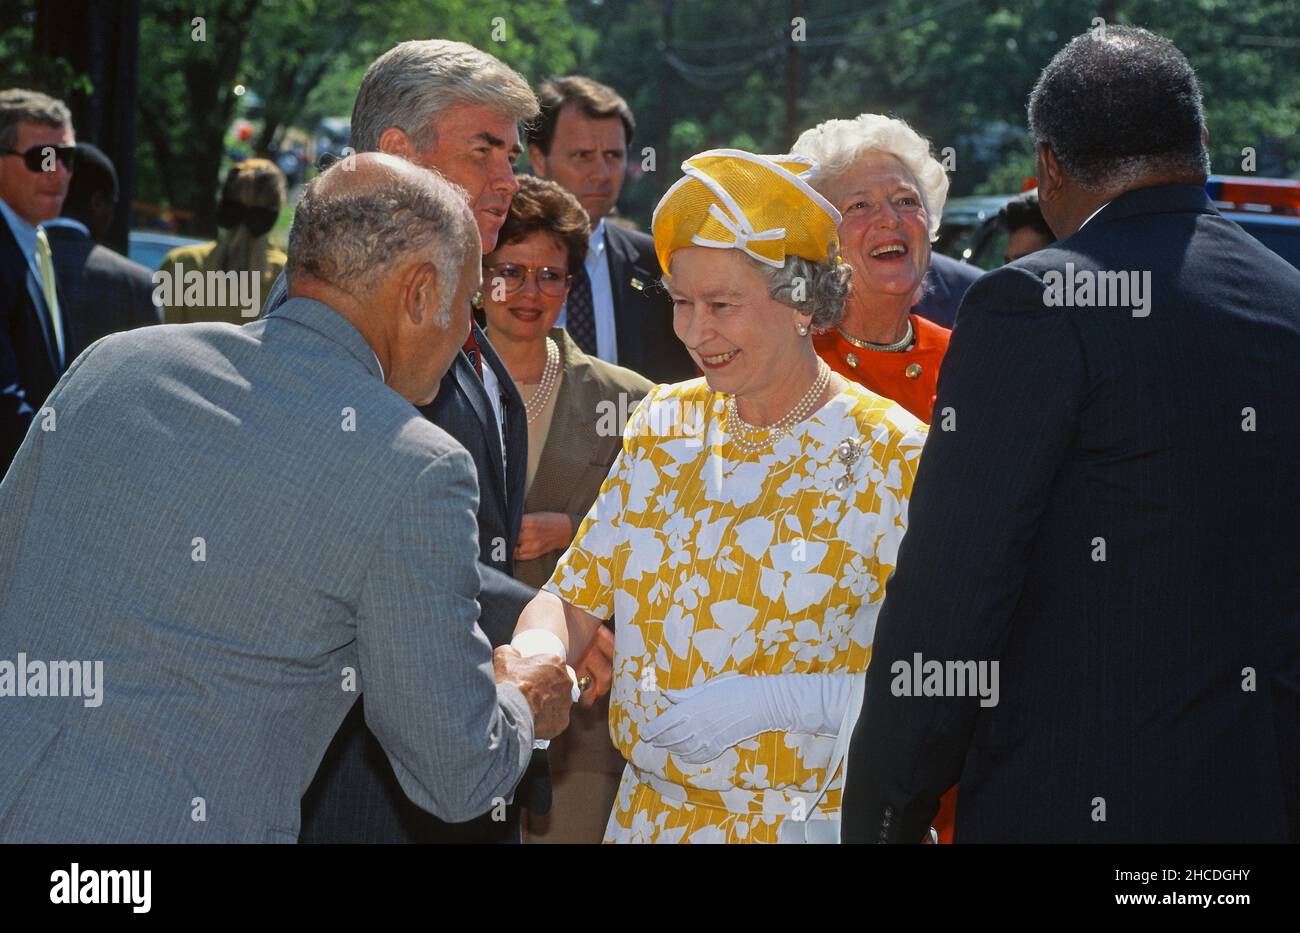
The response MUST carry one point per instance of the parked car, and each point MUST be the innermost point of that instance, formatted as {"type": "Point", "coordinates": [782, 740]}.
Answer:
{"type": "Point", "coordinates": [1266, 208]}
{"type": "Point", "coordinates": [962, 219]}
{"type": "Point", "coordinates": [148, 247]}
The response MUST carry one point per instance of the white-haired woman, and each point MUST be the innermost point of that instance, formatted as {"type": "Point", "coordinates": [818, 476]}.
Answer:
{"type": "Point", "coordinates": [744, 535]}
{"type": "Point", "coordinates": [890, 191]}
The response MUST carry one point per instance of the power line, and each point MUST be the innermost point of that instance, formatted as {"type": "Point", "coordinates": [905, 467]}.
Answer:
{"type": "Point", "coordinates": [696, 74]}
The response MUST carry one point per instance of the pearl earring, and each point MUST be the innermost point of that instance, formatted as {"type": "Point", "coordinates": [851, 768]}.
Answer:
{"type": "Point", "coordinates": [801, 330]}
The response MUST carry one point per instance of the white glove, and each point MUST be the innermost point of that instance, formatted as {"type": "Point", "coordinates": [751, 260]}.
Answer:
{"type": "Point", "coordinates": [705, 721]}
{"type": "Point", "coordinates": [539, 641]}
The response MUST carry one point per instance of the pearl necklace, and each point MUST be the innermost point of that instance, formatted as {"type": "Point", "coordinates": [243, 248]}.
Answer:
{"type": "Point", "coordinates": [895, 347]}
{"type": "Point", "coordinates": [738, 427]}
{"type": "Point", "coordinates": [550, 376]}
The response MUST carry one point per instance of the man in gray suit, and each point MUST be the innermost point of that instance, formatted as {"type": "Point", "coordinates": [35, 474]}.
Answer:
{"type": "Point", "coordinates": [176, 653]}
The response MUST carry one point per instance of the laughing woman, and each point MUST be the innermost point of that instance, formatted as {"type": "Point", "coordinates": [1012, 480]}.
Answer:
{"type": "Point", "coordinates": [890, 192]}
{"type": "Point", "coordinates": [747, 528]}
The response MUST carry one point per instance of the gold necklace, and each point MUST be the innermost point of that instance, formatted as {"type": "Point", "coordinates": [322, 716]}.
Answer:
{"type": "Point", "coordinates": [895, 347]}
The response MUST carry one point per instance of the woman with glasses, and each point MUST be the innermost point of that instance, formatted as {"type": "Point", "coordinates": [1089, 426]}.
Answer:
{"type": "Point", "coordinates": [576, 405]}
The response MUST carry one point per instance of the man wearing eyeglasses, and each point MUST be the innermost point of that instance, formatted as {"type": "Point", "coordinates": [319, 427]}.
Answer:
{"type": "Point", "coordinates": [37, 153]}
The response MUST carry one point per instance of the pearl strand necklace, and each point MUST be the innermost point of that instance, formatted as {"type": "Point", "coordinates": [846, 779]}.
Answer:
{"type": "Point", "coordinates": [550, 373]}
{"type": "Point", "coordinates": [737, 426]}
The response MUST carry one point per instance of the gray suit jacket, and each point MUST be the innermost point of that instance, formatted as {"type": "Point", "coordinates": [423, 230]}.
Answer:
{"type": "Point", "coordinates": [324, 551]}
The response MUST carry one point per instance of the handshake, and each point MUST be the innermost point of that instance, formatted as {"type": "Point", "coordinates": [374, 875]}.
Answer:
{"type": "Point", "coordinates": [533, 663]}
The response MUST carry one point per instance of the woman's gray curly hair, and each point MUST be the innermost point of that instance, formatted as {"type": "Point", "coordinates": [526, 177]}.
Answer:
{"type": "Point", "coordinates": [816, 288]}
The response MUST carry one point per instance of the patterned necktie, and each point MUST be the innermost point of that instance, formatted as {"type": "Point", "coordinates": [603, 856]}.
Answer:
{"type": "Point", "coordinates": [579, 315]}
{"type": "Point", "coordinates": [474, 353]}
{"type": "Point", "coordinates": [45, 261]}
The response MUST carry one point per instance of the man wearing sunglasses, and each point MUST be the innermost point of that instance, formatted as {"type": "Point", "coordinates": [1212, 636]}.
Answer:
{"type": "Point", "coordinates": [37, 341]}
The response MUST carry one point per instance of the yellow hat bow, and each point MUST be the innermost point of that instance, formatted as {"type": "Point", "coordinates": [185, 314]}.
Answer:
{"type": "Point", "coordinates": [762, 205]}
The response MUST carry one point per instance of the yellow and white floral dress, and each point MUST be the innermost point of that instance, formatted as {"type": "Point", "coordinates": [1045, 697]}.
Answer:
{"type": "Point", "coordinates": [713, 561]}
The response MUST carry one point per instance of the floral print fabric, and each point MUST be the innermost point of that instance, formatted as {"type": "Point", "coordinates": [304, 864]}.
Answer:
{"type": "Point", "coordinates": [716, 562]}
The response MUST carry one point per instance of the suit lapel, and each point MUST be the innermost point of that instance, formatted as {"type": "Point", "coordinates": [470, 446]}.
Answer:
{"type": "Point", "coordinates": [630, 328]}
{"type": "Point", "coordinates": [475, 393]}
{"type": "Point", "coordinates": [35, 323]}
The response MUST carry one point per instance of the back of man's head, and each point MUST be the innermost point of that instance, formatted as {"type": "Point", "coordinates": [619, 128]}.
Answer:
{"type": "Point", "coordinates": [93, 192]}
{"type": "Point", "coordinates": [368, 213]}
{"type": "Point", "coordinates": [1022, 212]}
{"type": "Point", "coordinates": [393, 248]}
{"type": "Point", "coordinates": [1120, 104]}
{"type": "Point", "coordinates": [411, 84]}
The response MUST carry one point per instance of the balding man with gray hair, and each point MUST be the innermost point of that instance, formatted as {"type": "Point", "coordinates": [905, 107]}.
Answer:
{"type": "Point", "coordinates": [453, 109]}
{"type": "Point", "coordinates": [187, 648]}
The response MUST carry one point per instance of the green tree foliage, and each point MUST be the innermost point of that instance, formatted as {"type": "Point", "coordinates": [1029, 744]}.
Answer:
{"type": "Point", "coordinates": [698, 73]}
{"type": "Point", "coordinates": [959, 71]}
{"type": "Point", "coordinates": [304, 60]}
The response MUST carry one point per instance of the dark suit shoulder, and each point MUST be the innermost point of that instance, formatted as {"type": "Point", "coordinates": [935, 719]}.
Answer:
{"type": "Point", "coordinates": [959, 275]}
{"type": "Point", "coordinates": [101, 257]}
{"type": "Point", "coordinates": [1015, 288]}
{"type": "Point", "coordinates": [639, 246]}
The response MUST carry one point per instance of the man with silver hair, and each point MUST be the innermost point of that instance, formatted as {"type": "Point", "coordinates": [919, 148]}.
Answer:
{"type": "Point", "coordinates": [454, 109]}
{"type": "Point", "coordinates": [300, 539]}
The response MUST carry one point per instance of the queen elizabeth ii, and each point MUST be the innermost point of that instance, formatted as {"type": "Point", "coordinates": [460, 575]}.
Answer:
{"type": "Point", "coordinates": [746, 530]}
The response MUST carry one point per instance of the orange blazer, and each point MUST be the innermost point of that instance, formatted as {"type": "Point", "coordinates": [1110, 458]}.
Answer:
{"type": "Point", "coordinates": [909, 378]}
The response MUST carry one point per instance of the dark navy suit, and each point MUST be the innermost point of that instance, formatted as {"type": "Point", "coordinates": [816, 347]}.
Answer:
{"type": "Point", "coordinates": [1153, 695]}
{"type": "Point", "coordinates": [946, 282]}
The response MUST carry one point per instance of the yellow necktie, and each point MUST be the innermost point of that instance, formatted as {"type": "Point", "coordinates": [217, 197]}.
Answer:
{"type": "Point", "coordinates": [45, 260]}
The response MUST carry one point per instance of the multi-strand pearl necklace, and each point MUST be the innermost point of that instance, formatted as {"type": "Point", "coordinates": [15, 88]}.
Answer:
{"type": "Point", "coordinates": [738, 427]}
{"type": "Point", "coordinates": [550, 376]}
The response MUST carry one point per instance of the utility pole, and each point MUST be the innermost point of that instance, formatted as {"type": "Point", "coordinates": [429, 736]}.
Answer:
{"type": "Point", "coordinates": [791, 78]}
{"type": "Point", "coordinates": [100, 41]}
{"type": "Point", "coordinates": [664, 161]}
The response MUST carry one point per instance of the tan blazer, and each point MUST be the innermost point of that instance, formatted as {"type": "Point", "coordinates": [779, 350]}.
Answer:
{"type": "Point", "coordinates": [580, 447]}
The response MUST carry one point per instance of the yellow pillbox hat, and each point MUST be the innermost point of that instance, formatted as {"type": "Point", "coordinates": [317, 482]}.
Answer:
{"type": "Point", "coordinates": [764, 205]}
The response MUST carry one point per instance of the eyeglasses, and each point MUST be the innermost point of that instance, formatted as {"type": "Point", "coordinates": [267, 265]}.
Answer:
{"type": "Point", "coordinates": [551, 280]}
{"type": "Point", "coordinates": [36, 157]}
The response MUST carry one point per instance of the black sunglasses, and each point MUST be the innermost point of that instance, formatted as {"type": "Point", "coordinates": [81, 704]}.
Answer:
{"type": "Point", "coordinates": [35, 157]}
